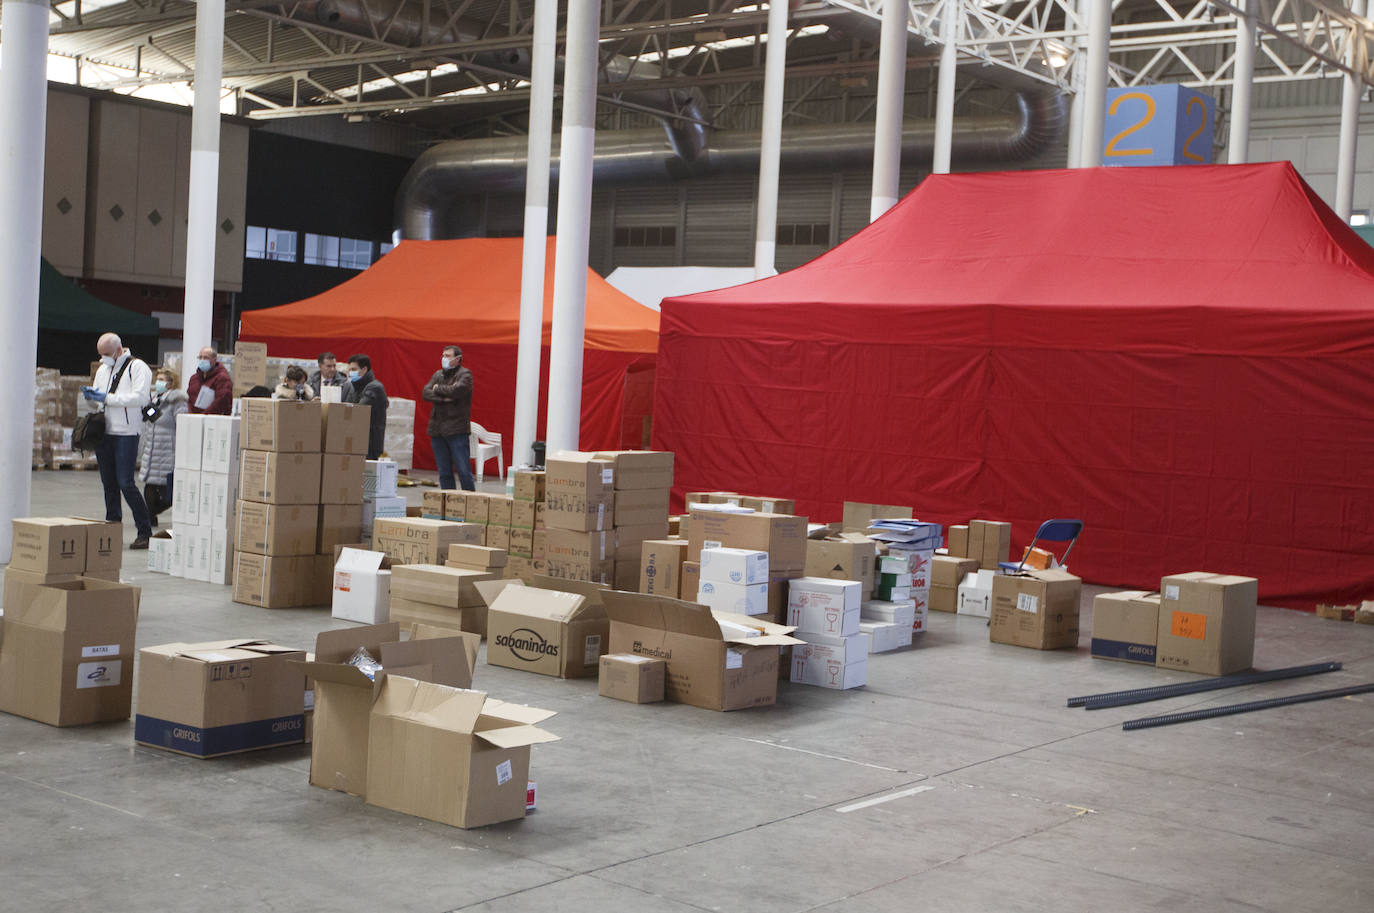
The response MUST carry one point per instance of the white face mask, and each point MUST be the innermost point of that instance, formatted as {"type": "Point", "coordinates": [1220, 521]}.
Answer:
{"type": "Point", "coordinates": [446, 362]}
{"type": "Point", "coordinates": [203, 364]}
{"type": "Point", "coordinates": [160, 386]}
{"type": "Point", "coordinates": [107, 360]}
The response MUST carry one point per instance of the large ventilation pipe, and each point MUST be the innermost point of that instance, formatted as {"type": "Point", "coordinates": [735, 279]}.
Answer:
{"type": "Point", "coordinates": [406, 26]}
{"type": "Point", "coordinates": [439, 196]}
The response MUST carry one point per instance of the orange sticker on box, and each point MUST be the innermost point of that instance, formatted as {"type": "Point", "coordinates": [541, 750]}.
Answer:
{"type": "Point", "coordinates": [1190, 625]}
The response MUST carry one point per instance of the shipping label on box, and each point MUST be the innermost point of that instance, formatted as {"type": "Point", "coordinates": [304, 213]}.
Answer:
{"type": "Point", "coordinates": [280, 426]}
{"type": "Point", "coordinates": [1126, 626]}
{"type": "Point", "coordinates": [279, 478]}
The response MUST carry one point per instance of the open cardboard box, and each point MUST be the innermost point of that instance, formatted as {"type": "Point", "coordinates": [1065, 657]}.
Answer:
{"type": "Point", "coordinates": [554, 627]}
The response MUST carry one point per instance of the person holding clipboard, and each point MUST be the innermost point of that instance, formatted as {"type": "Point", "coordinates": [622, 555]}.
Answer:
{"type": "Point", "coordinates": [122, 387]}
{"type": "Point", "coordinates": [210, 389]}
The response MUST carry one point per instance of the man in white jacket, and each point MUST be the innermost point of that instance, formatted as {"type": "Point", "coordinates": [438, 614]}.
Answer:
{"type": "Point", "coordinates": [123, 386]}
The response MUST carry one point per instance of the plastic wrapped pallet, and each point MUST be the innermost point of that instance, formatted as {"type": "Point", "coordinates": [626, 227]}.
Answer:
{"type": "Point", "coordinates": [399, 440]}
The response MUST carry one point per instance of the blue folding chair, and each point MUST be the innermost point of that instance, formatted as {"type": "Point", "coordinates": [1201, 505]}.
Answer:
{"type": "Point", "coordinates": [1050, 531]}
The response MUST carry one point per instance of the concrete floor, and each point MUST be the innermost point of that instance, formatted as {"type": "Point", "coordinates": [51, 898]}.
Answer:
{"type": "Point", "coordinates": [998, 797]}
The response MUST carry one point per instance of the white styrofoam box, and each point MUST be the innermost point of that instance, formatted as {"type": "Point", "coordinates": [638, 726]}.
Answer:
{"type": "Point", "coordinates": [190, 438]}
{"type": "Point", "coordinates": [195, 552]}
{"type": "Point", "coordinates": [221, 560]}
{"type": "Point", "coordinates": [220, 444]}
{"type": "Point", "coordinates": [822, 606]}
{"type": "Point", "coordinates": [898, 613]}
{"type": "Point", "coordinates": [361, 589]}
{"type": "Point", "coordinates": [831, 662]}
{"type": "Point", "coordinates": [379, 479]}
{"type": "Point", "coordinates": [741, 599]}
{"type": "Point", "coordinates": [975, 594]}
{"type": "Point", "coordinates": [885, 635]}
{"type": "Point", "coordinates": [186, 497]}
{"type": "Point", "coordinates": [740, 566]}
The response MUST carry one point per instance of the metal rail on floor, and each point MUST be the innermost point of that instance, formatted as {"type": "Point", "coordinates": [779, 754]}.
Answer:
{"type": "Point", "coordinates": [1160, 692]}
{"type": "Point", "coordinates": [1208, 713]}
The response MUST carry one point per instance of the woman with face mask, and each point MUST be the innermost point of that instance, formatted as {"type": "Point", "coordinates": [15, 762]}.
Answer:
{"type": "Point", "coordinates": [157, 449]}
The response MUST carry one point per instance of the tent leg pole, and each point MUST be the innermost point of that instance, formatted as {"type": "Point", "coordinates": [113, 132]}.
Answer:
{"type": "Point", "coordinates": [944, 93]}
{"type": "Point", "coordinates": [1350, 129]}
{"type": "Point", "coordinates": [1076, 105]}
{"type": "Point", "coordinates": [203, 198]}
{"type": "Point", "coordinates": [1095, 83]}
{"type": "Point", "coordinates": [533, 255]}
{"type": "Point", "coordinates": [770, 149]}
{"type": "Point", "coordinates": [23, 111]}
{"type": "Point", "coordinates": [887, 138]}
{"type": "Point", "coordinates": [1238, 145]}
{"type": "Point", "coordinates": [568, 332]}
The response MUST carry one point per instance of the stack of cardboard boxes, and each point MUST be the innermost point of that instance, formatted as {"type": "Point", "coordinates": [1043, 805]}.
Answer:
{"type": "Point", "coordinates": [782, 536]}
{"type": "Point", "coordinates": [445, 595]}
{"type": "Point", "coordinates": [946, 573]}
{"type": "Point", "coordinates": [528, 537]}
{"type": "Point", "coordinates": [734, 580]}
{"type": "Point", "coordinates": [642, 480]}
{"type": "Point", "coordinates": [580, 516]}
{"type": "Point", "coordinates": [343, 479]}
{"type": "Point", "coordinates": [1197, 622]}
{"type": "Point", "coordinates": [204, 501]}
{"type": "Point", "coordinates": [280, 483]}
{"type": "Point", "coordinates": [986, 542]}
{"type": "Point", "coordinates": [825, 613]}
{"type": "Point", "coordinates": [50, 550]}
{"type": "Point", "coordinates": [380, 500]}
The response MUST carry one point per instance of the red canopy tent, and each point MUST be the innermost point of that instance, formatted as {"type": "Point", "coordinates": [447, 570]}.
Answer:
{"type": "Point", "coordinates": [1181, 357]}
{"type": "Point", "coordinates": [427, 294]}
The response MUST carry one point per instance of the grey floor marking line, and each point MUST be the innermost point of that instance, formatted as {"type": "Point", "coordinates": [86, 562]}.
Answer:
{"type": "Point", "coordinates": [818, 754]}
{"type": "Point", "coordinates": [63, 792]}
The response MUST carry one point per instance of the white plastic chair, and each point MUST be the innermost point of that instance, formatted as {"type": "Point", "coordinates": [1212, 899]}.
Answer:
{"type": "Point", "coordinates": [485, 445]}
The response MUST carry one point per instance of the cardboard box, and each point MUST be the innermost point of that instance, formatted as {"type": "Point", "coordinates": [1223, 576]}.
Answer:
{"type": "Point", "coordinates": [361, 587]}
{"type": "Point", "coordinates": [733, 598]}
{"type": "Point", "coordinates": [949, 571]}
{"type": "Point", "coordinates": [521, 542]}
{"type": "Point", "coordinates": [277, 478]}
{"type": "Point", "coordinates": [1035, 609]}
{"type": "Point", "coordinates": [338, 524]}
{"type": "Point", "coordinates": [660, 567]}
{"type": "Point", "coordinates": [341, 479]}
{"type": "Point", "coordinates": [1126, 626]}
{"type": "Point", "coordinates": [274, 582]}
{"type": "Point", "coordinates": [527, 484]}
{"type": "Point", "coordinates": [782, 536]}
{"type": "Point", "coordinates": [705, 668]}
{"type": "Point", "coordinates": [944, 598]}
{"type": "Point", "coordinates": [575, 555]}
{"type": "Point", "coordinates": [104, 547]}
{"type": "Point", "coordinates": [196, 542]}
{"type": "Point", "coordinates": [440, 585]}
{"type": "Point", "coordinates": [636, 470]}
{"type": "Point", "coordinates": [409, 612]}
{"type": "Point", "coordinates": [898, 613]}
{"type": "Point", "coordinates": [523, 514]}
{"type": "Point", "coordinates": [67, 654]}
{"type": "Point", "coordinates": [414, 540]}
{"type": "Point", "coordinates": [476, 557]}
{"type": "Point", "coordinates": [579, 492]}
{"type": "Point", "coordinates": [450, 755]}
{"type": "Point", "coordinates": [277, 529]}
{"type": "Point", "coordinates": [957, 540]}
{"type": "Point", "coordinates": [49, 545]}
{"type": "Point", "coordinates": [843, 559]}
{"type": "Point", "coordinates": [280, 425]}
{"type": "Point", "coordinates": [769, 505]}
{"type": "Point", "coordinates": [344, 428]}
{"type": "Point", "coordinates": [831, 662]}
{"type": "Point", "coordinates": [642, 507]}
{"type": "Point", "coordinates": [629, 540]}
{"type": "Point", "coordinates": [1207, 623]}
{"type": "Point", "coordinates": [975, 594]}
{"type": "Point", "coordinates": [211, 699]}
{"type": "Point", "coordinates": [859, 516]}
{"type": "Point", "coordinates": [499, 510]}
{"type": "Point", "coordinates": [549, 632]}
{"type": "Point", "coordinates": [1337, 612]}
{"type": "Point", "coordinates": [989, 542]}
{"type": "Point", "coordinates": [691, 578]}
{"type": "Point", "coordinates": [885, 636]}
{"type": "Point", "coordinates": [477, 507]}
{"type": "Point", "coordinates": [626, 575]}
{"type": "Point", "coordinates": [344, 695]}
{"type": "Point", "coordinates": [250, 366]}
{"type": "Point", "coordinates": [498, 537]}
{"type": "Point", "coordinates": [636, 679]}
{"type": "Point", "coordinates": [734, 566]}
{"type": "Point", "coordinates": [818, 605]}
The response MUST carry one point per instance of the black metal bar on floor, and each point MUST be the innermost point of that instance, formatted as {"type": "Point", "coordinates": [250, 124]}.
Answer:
{"type": "Point", "coordinates": [1159, 692]}
{"type": "Point", "coordinates": [1208, 713]}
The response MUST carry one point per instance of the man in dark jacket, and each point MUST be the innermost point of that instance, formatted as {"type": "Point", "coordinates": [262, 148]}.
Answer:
{"type": "Point", "coordinates": [210, 389]}
{"type": "Point", "coordinates": [365, 390]}
{"type": "Point", "coordinates": [450, 390]}
{"type": "Point", "coordinates": [329, 375]}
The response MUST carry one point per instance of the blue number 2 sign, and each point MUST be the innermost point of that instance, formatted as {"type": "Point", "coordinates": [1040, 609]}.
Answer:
{"type": "Point", "coordinates": [1158, 125]}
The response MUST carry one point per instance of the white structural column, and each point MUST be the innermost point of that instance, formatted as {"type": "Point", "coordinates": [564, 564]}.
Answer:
{"type": "Point", "coordinates": [23, 109]}
{"type": "Point", "coordinates": [1095, 83]}
{"type": "Point", "coordinates": [1238, 146]}
{"type": "Point", "coordinates": [1350, 128]}
{"type": "Point", "coordinates": [574, 225]}
{"type": "Point", "coordinates": [887, 136]}
{"type": "Point", "coordinates": [944, 89]}
{"type": "Point", "coordinates": [203, 199]}
{"type": "Point", "coordinates": [770, 147]}
{"type": "Point", "coordinates": [536, 232]}
{"type": "Point", "coordinates": [1076, 80]}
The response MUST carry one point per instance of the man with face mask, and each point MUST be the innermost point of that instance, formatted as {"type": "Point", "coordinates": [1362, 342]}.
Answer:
{"type": "Point", "coordinates": [122, 384]}
{"type": "Point", "coordinates": [210, 389]}
{"type": "Point", "coordinates": [366, 390]}
{"type": "Point", "coordinates": [450, 390]}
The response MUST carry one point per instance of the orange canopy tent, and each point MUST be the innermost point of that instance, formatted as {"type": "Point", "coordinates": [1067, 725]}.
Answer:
{"type": "Point", "coordinates": [424, 295]}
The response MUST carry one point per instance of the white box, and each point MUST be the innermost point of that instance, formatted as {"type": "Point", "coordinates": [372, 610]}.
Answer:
{"type": "Point", "coordinates": [741, 599]}
{"type": "Point", "coordinates": [379, 479]}
{"type": "Point", "coordinates": [160, 554]}
{"type": "Point", "coordinates": [205, 509]}
{"type": "Point", "coordinates": [899, 594]}
{"type": "Point", "coordinates": [373, 508]}
{"type": "Point", "coordinates": [739, 566]}
{"type": "Point", "coordinates": [195, 552]}
{"type": "Point", "coordinates": [186, 497]}
{"type": "Point", "coordinates": [220, 444]}
{"type": "Point", "coordinates": [330, 394]}
{"type": "Point", "coordinates": [818, 605]}
{"type": "Point", "coordinates": [176, 561]}
{"type": "Point", "coordinates": [885, 636]}
{"type": "Point", "coordinates": [224, 496]}
{"type": "Point", "coordinates": [893, 564]}
{"type": "Point", "coordinates": [831, 662]}
{"type": "Point", "coordinates": [975, 594]}
{"type": "Point", "coordinates": [221, 556]}
{"type": "Point", "coordinates": [362, 590]}
{"type": "Point", "coordinates": [896, 613]}
{"type": "Point", "coordinates": [190, 438]}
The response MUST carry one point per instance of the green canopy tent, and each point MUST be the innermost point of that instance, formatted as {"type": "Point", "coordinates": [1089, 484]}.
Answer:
{"type": "Point", "coordinates": [70, 320]}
